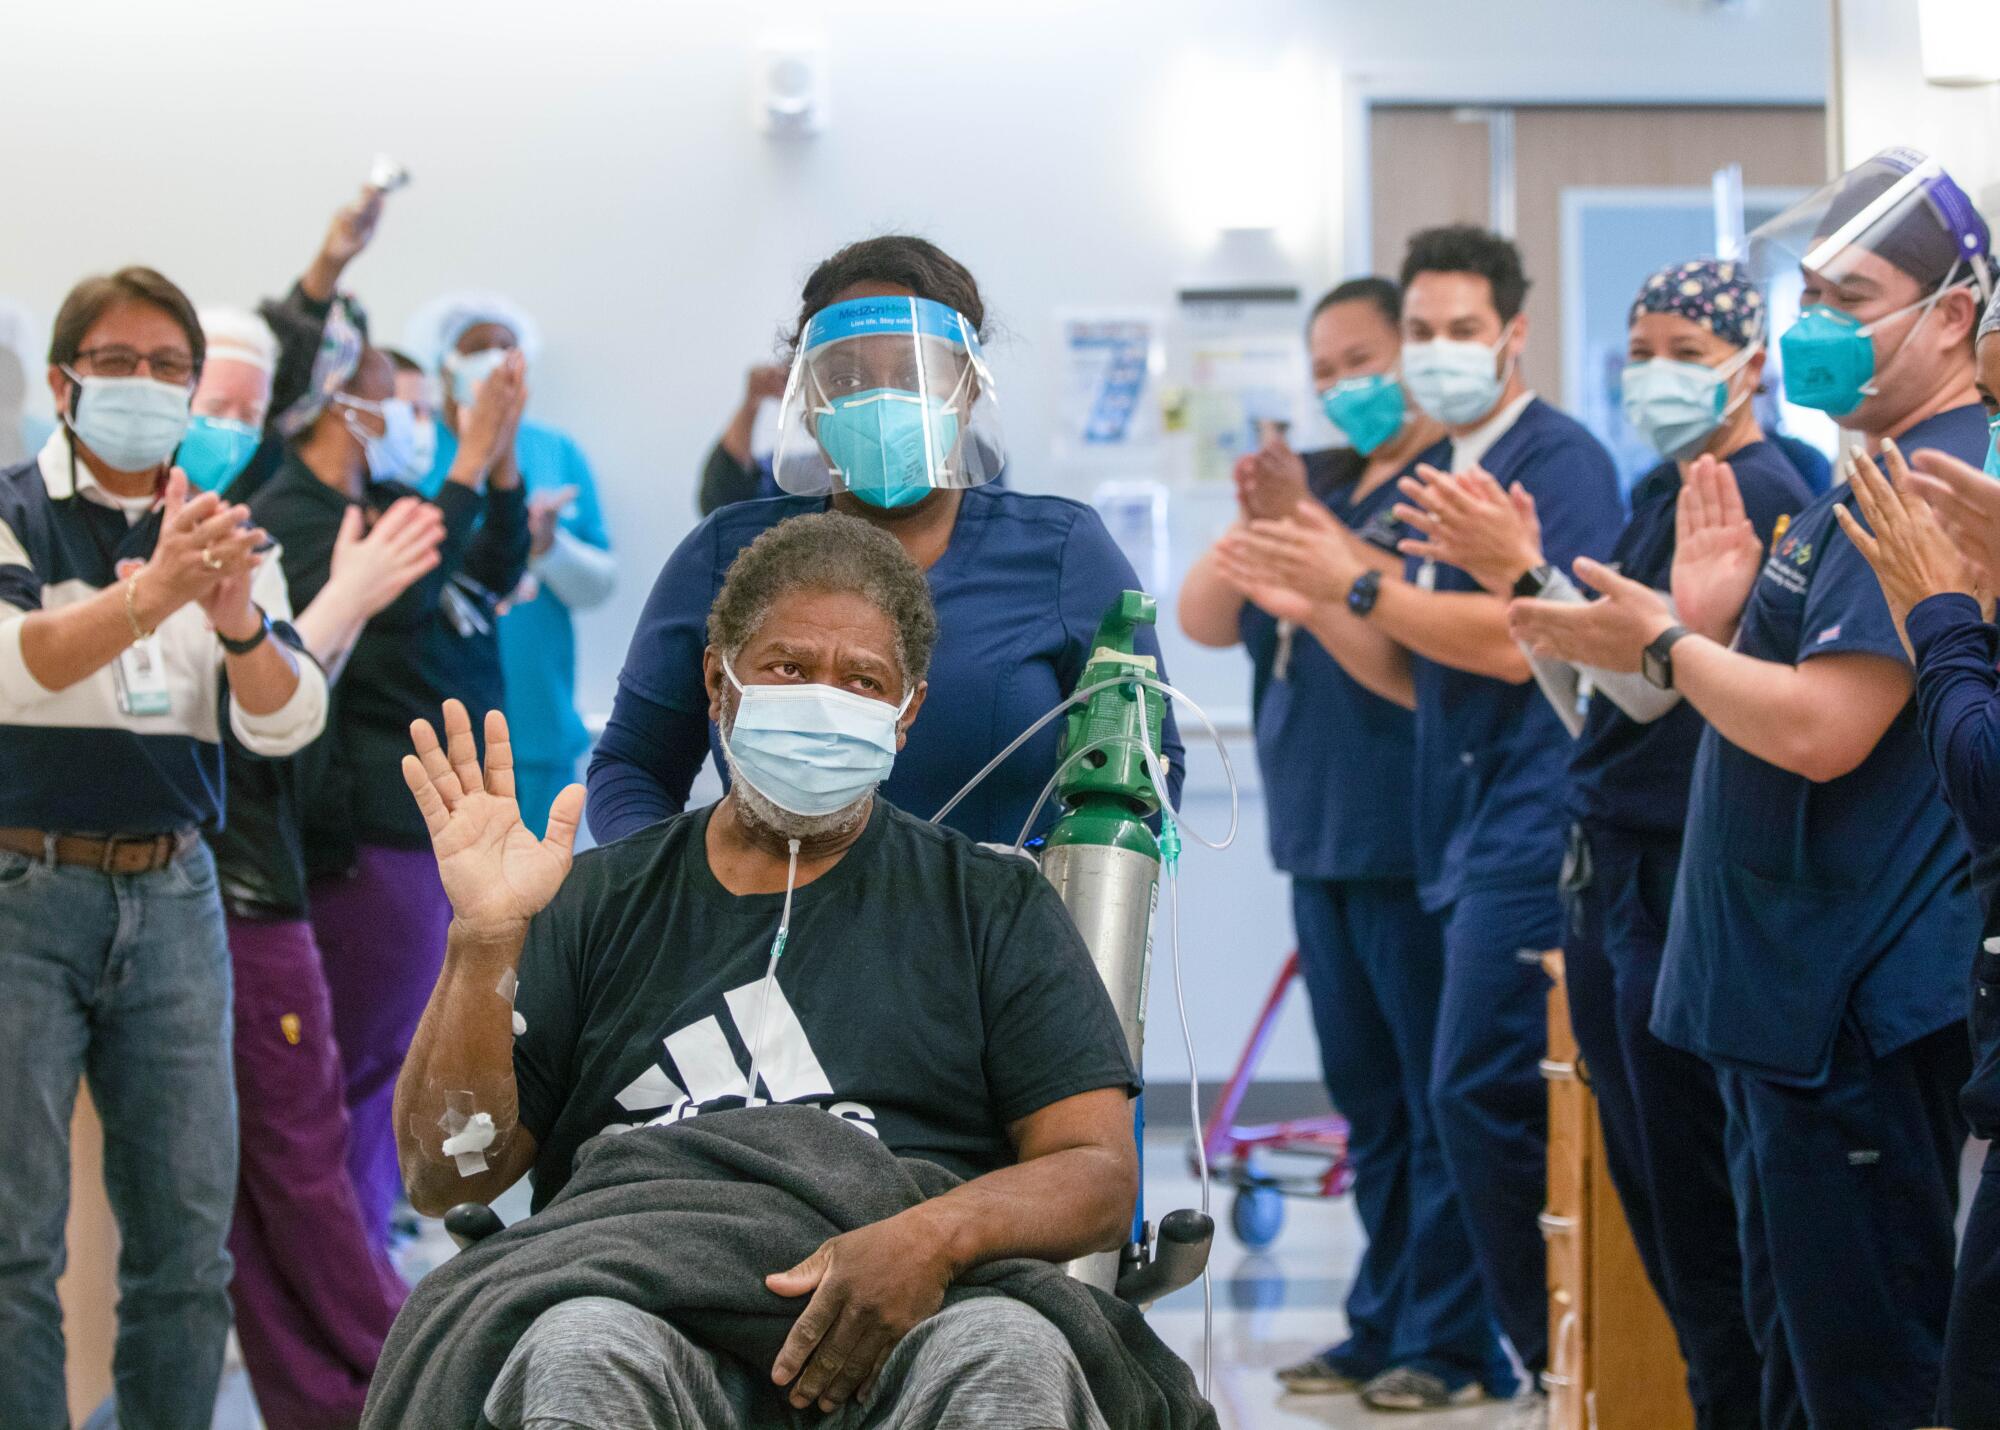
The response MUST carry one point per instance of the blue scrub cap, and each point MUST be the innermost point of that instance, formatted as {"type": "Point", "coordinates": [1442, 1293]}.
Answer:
{"type": "Point", "coordinates": [1714, 294]}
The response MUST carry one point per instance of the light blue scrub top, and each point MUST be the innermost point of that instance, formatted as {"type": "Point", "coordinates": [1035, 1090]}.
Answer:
{"type": "Point", "coordinates": [537, 640]}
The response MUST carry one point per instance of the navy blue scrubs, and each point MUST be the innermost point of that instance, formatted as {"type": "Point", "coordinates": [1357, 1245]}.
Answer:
{"type": "Point", "coordinates": [1336, 762]}
{"type": "Point", "coordinates": [1019, 593]}
{"type": "Point", "coordinates": [1661, 1113]}
{"type": "Point", "coordinates": [1491, 769]}
{"type": "Point", "coordinates": [1958, 699]}
{"type": "Point", "coordinates": [1817, 957]}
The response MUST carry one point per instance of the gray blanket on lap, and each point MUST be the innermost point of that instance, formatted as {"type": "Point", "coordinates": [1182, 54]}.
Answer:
{"type": "Point", "coordinates": [685, 1222]}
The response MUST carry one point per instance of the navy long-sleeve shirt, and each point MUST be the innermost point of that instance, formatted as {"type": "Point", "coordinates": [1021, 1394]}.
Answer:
{"type": "Point", "coordinates": [1958, 701]}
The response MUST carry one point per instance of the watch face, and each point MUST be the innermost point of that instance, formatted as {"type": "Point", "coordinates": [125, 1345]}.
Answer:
{"type": "Point", "coordinates": [1657, 668]}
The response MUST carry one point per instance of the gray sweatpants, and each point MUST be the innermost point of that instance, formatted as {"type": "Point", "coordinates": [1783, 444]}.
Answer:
{"type": "Point", "coordinates": [598, 1364]}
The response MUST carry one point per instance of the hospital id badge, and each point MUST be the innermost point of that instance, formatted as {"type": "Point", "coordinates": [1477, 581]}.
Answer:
{"type": "Point", "coordinates": [142, 679]}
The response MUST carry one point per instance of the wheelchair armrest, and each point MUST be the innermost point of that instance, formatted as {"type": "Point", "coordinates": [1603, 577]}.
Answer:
{"type": "Point", "coordinates": [469, 1222]}
{"type": "Point", "coordinates": [1179, 1255]}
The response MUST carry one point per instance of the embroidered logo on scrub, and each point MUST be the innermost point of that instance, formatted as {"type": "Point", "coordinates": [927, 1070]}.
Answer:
{"type": "Point", "coordinates": [289, 1026]}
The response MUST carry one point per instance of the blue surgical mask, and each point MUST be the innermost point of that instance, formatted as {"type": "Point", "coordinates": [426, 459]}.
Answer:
{"type": "Point", "coordinates": [876, 441]}
{"type": "Point", "coordinates": [468, 370]}
{"type": "Point", "coordinates": [1368, 410]}
{"type": "Point", "coordinates": [1458, 383]}
{"type": "Point", "coordinates": [405, 448]}
{"type": "Point", "coordinates": [1829, 356]}
{"type": "Point", "coordinates": [811, 749]}
{"type": "Point", "coordinates": [215, 450]}
{"type": "Point", "coordinates": [1677, 406]}
{"type": "Point", "coordinates": [132, 423]}
{"type": "Point", "coordinates": [1993, 447]}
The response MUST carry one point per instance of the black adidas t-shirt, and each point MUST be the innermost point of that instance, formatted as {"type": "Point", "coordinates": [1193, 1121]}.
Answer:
{"type": "Point", "coordinates": [931, 992]}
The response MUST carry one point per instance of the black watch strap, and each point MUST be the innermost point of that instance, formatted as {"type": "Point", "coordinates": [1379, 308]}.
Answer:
{"type": "Point", "coordinates": [1656, 662]}
{"type": "Point", "coordinates": [244, 647]}
{"type": "Point", "coordinates": [1534, 580]}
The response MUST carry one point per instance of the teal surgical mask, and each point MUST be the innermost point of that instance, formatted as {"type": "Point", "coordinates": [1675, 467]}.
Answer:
{"type": "Point", "coordinates": [468, 370]}
{"type": "Point", "coordinates": [132, 423]}
{"type": "Point", "coordinates": [215, 450]}
{"type": "Point", "coordinates": [1993, 447]}
{"type": "Point", "coordinates": [811, 750]}
{"type": "Point", "coordinates": [1368, 410]}
{"type": "Point", "coordinates": [1829, 356]}
{"type": "Point", "coordinates": [1457, 382]}
{"type": "Point", "coordinates": [886, 442]}
{"type": "Point", "coordinates": [1677, 406]}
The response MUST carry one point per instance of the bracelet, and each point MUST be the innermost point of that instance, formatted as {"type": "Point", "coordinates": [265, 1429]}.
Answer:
{"type": "Point", "coordinates": [139, 632]}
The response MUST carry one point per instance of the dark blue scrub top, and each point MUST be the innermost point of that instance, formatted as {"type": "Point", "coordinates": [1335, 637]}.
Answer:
{"type": "Point", "coordinates": [1336, 758]}
{"type": "Point", "coordinates": [1019, 593]}
{"type": "Point", "coordinates": [1631, 776]}
{"type": "Point", "coordinates": [1492, 758]}
{"type": "Point", "coordinates": [1802, 904]}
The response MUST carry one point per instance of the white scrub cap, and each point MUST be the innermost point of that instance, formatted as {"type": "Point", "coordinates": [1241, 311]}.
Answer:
{"type": "Point", "coordinates": [435, 328]}
{"type": "Point", "coordinates": [240, 336]}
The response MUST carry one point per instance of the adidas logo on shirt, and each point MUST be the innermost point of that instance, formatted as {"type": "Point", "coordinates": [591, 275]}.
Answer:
{"type": "Point", "coordinates": [709, 1072]}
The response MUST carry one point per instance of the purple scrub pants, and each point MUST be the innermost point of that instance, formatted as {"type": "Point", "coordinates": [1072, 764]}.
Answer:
{"type": "Point", "coordinates": [381, 931]}
{"type": "Point", "coordinates": [314, 1295]}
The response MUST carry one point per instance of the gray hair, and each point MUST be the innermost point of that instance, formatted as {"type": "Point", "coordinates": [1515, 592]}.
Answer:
{"type": "Point", "coordinates": [827, 551]}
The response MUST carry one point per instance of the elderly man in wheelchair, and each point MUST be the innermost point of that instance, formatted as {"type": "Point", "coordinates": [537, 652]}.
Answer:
{"type": "Point", "coordinates": [867, 1087]}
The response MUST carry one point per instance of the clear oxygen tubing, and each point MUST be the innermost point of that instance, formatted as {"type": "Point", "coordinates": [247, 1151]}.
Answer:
{"type": "Point", "coordinates": [1153, 764]}
{"type": "Point", "coordinates": [1022, 739]}
{"type": "Point", "coordinates": [1170, 859]}
{"type": "Point", "coordinates": [771, 970]}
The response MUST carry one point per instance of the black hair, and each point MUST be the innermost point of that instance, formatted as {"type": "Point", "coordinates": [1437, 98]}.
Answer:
{"type": "Point", "coordinates": [403, 361]}
{"type": "Point", "coordinates": [1467, 248]}
{"type": "Point", "coordinates": [1385, 297]}
{"type": "Point", "coordinates": [899, 258]}
{"type": "Point", "coordinates": [94, 297]}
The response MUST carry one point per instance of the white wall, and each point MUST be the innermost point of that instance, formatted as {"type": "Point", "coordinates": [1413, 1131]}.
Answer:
{"type": "Point", "coordinates": [1883, 100]}
{"type": "Point", "coordinates": [598, 162]}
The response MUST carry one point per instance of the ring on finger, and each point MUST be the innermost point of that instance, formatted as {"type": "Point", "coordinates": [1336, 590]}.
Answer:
{"type": "Point", "coordinates": [208, 559]}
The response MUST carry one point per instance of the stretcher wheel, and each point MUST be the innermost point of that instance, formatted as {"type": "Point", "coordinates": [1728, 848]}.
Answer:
{"type": "Point", "coordinates": [1256, 1215]}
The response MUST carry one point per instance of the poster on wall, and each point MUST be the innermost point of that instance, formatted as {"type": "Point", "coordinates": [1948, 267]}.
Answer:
{"type": "Point", "coordinates": [1245, 373]}
{"type": "Point", "coordinates": [1111, 364]}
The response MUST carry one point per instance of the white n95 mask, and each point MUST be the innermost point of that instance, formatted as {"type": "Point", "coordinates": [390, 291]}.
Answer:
{"type": "Point", "coordinates": [1455, 382]}
{"type": "Point", "coordinates": [811, 749]}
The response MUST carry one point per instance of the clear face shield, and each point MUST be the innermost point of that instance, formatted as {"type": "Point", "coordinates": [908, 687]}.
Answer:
{"type": "Point", "coordinates": [1898, 213]}
{"type": "Point", "coordinates": [889, 398]}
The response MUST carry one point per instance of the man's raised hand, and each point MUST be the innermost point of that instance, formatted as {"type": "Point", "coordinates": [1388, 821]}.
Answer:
{"type": "Point", "coordinates": [497, 874]}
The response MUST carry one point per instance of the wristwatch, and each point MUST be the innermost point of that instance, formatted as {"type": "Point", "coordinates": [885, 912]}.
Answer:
{"type": "Point", "coordinates": [1361, 595]}
{"type": "Point", "coordinates": [250, 643]}
{"type": "Point", "coordinates": [1534, 580]}
{"type": "Point", "coordinates": [1656, 662]}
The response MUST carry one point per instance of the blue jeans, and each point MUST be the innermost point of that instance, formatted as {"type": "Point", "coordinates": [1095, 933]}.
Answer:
{"type": "Point", "coordinates": [123, 979]}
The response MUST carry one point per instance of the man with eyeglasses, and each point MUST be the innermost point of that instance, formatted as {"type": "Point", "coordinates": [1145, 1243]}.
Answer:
{"type": "Point", "coordinates": [134, 620]}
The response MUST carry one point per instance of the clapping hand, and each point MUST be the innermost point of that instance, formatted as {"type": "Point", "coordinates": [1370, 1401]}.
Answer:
{"type": "Point", "coordinates": [1912, 555]}
{"type": "Point", "coordinates": [486, 431]}
{"type": "Point", "coordinates": [399, 550]}
{"type": "Point", "coordinates": [1716, 551]}
{"type": "Point", "coordinates": [1305, 559]}
{"type": "Point", "coordinates": [206, 553]}
{"type": "Point", "coordinates": [545, 510]}
{"type": "Point", "coordinates": [1609, 634]}
{"type": "Point", "coordinates": [1468, 521]}
{"type": "Point", "coordinates": [1271, 481]}
{"type": "Point", "coordinates": [1967, 504]}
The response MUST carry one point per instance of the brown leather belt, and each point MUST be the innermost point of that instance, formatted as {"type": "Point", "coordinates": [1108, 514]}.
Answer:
{"type": "Point", "coordinates": [117, 855]}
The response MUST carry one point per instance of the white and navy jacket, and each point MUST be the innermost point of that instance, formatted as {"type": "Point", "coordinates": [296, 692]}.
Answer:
{"type": "Point", "coordinates": [73, 761]}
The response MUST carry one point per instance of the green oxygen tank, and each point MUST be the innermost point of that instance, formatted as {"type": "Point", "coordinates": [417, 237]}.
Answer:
{"type": "Point", "coordinates": [1100, 855]}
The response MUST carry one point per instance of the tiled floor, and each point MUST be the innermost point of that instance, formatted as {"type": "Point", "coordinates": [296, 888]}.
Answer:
{"type": "Point", "coordinates": [1271, 1308]}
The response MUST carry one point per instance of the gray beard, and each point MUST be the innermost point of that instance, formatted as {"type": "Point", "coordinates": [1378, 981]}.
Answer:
{"type": "Point", "coordinates": [760, 813]}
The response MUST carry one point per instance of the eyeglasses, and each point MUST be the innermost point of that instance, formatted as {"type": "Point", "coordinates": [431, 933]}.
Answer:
{"type": "Point", "coordinates": [117, 360]}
